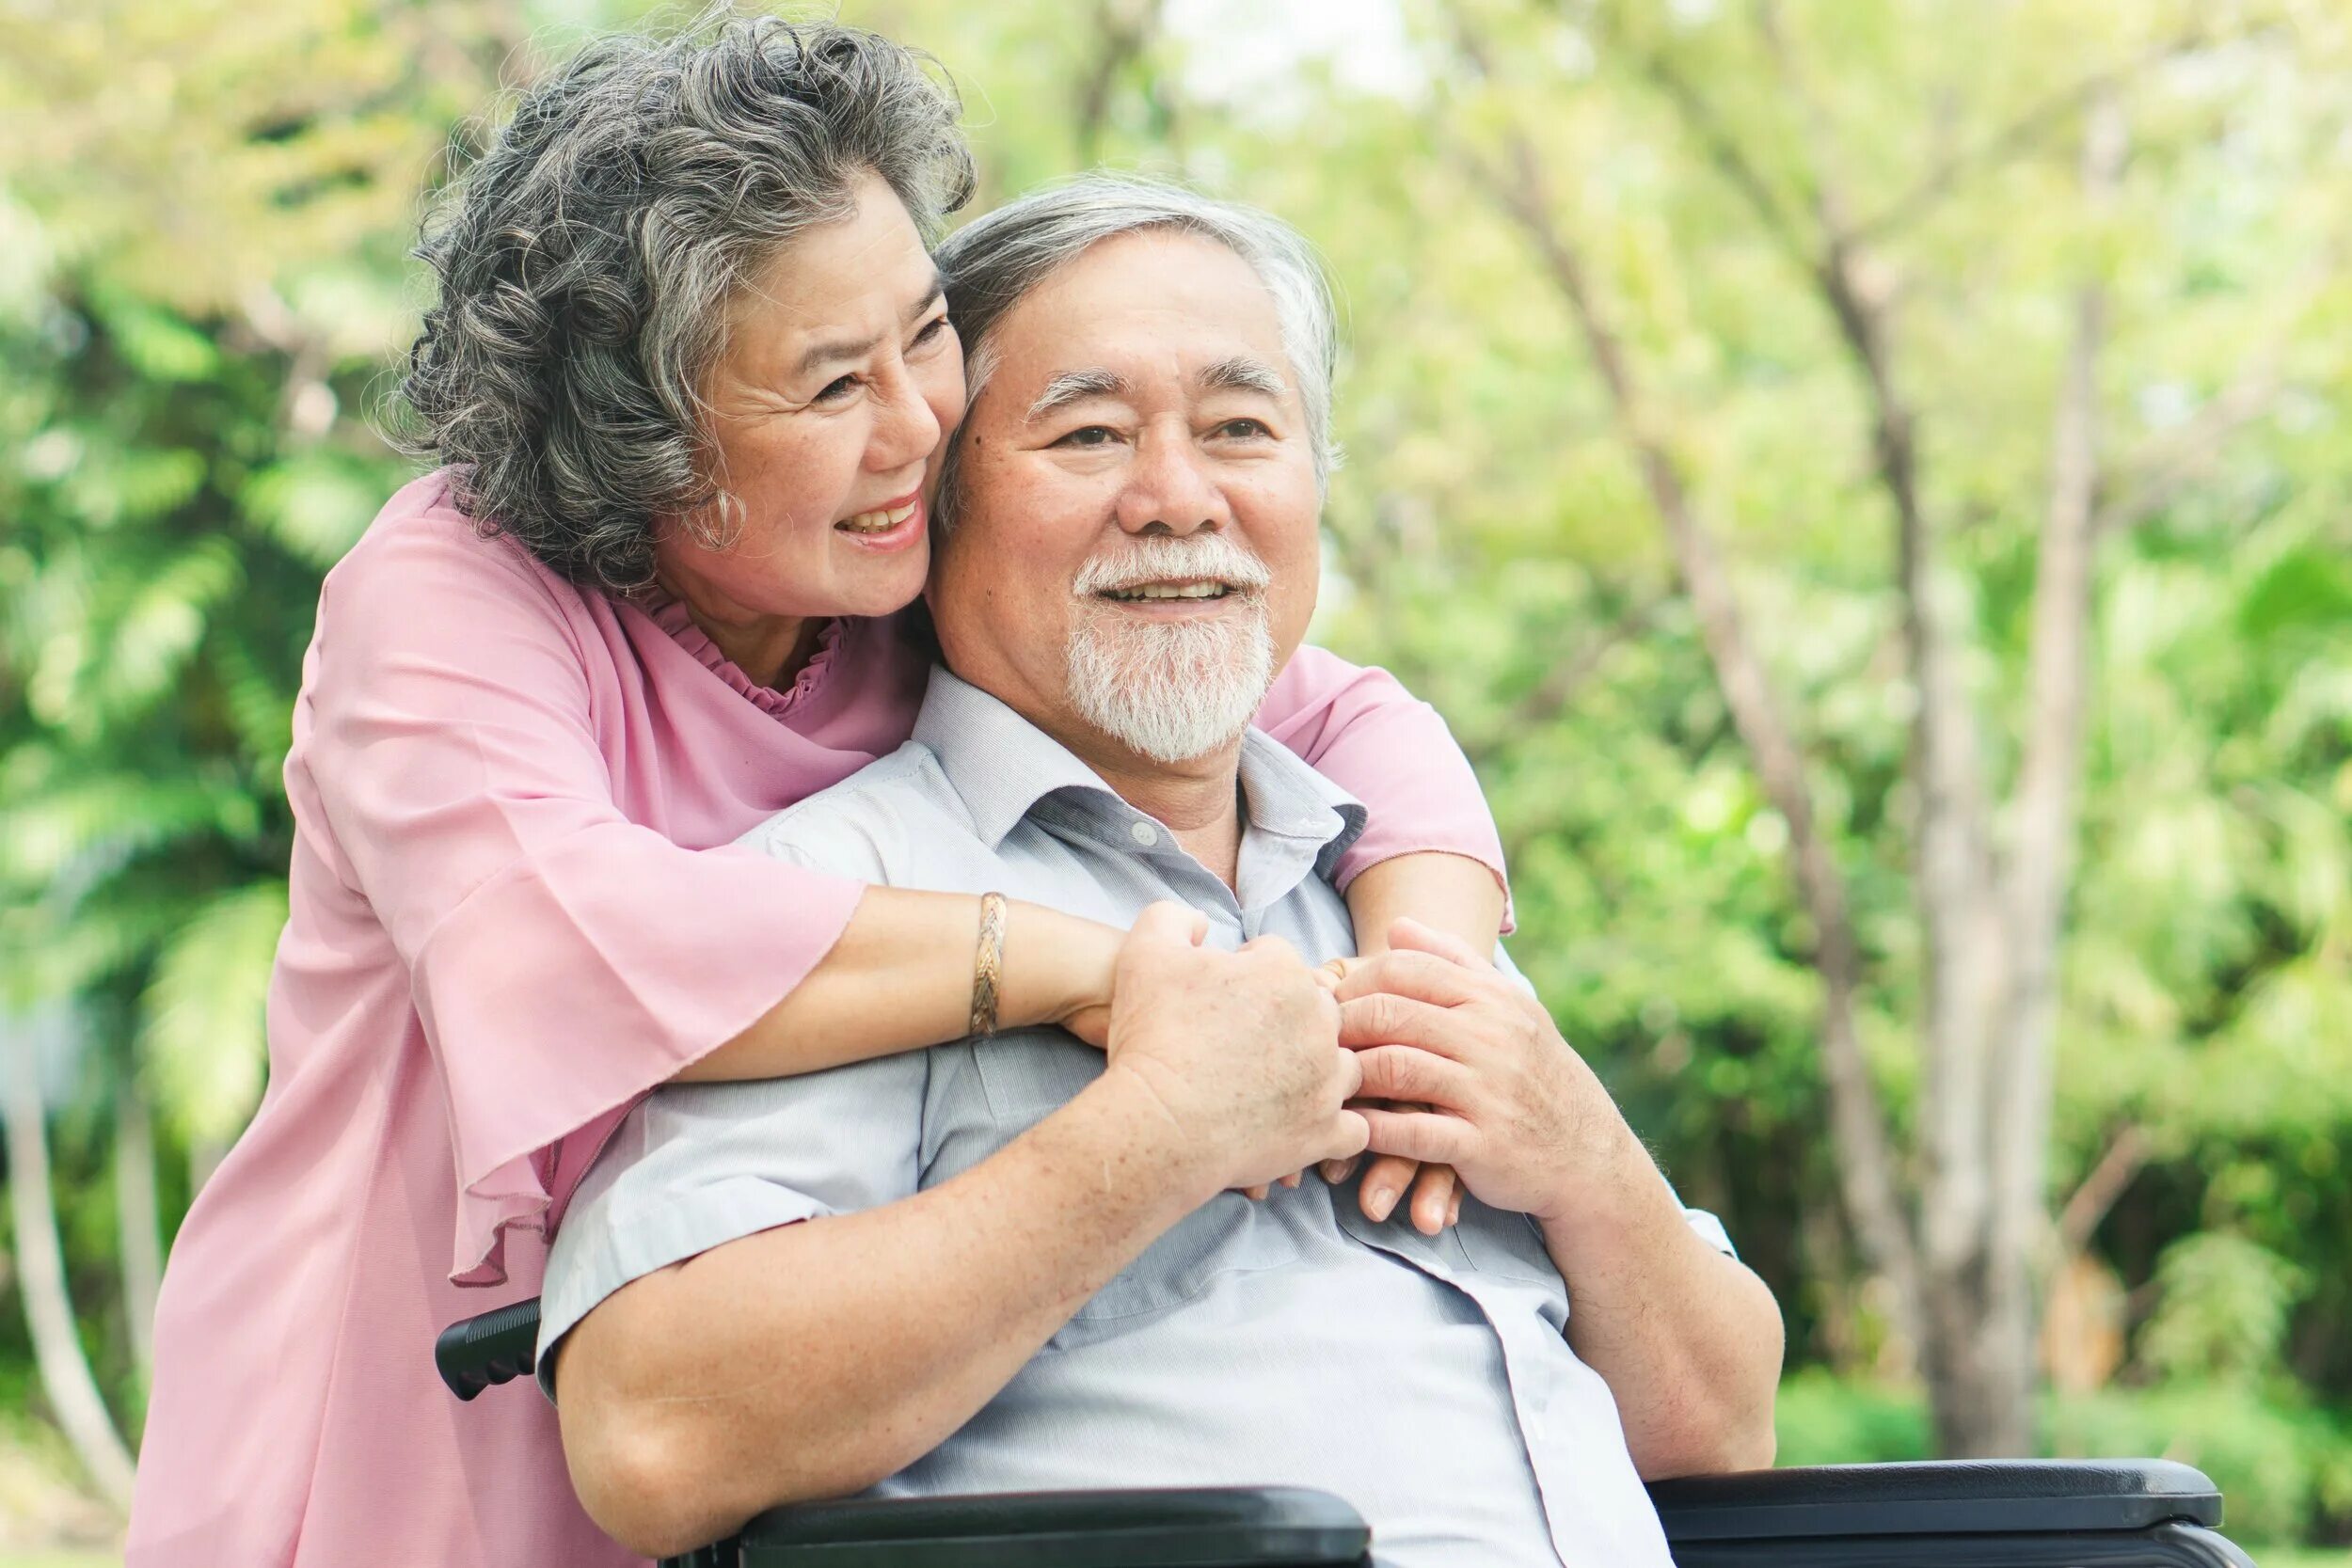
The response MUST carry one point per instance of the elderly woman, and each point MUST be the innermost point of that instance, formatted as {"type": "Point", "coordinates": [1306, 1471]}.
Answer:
{"type": "Point", "coordinates": [689, 375]}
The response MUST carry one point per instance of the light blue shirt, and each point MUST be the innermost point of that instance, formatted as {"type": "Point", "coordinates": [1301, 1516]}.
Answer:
{"type": "Point", "coordinates": [1289, 1342]}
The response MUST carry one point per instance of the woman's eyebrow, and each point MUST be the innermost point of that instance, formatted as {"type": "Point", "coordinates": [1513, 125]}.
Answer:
{"type": "Point", "coordinates": [831, 350]}
{"type": "Point", "coordinates": [1077, 387]}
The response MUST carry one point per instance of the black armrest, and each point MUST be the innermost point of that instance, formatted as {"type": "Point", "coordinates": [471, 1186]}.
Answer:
{"type": "Point", "coordinates": [2018, 1512]}
{"type": "Point", "coordinates": [489, 1349]}
{"type": "Point", "coordinates": [1193, 1528]}
{"type": "Point", "coordinates": [1973, 1496]}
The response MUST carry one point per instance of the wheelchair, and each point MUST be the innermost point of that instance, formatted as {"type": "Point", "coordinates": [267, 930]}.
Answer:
{"type": "Point", "coordinates": [1976, 1513]}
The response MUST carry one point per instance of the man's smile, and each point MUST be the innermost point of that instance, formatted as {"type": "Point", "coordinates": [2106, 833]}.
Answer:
{"type": "Point", "coordinates": [1202, 588]}
{"type": "Point", "coordinates": [1179, 598]}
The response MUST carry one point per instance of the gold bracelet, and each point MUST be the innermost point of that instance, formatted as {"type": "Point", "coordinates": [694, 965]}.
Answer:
{"type": "Point", "coordinates": [988, 964]}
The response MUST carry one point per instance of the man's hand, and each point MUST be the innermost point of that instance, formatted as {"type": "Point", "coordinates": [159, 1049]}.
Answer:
{"type": "Point", "coordinates": [1239, 1052]}
{"type": "Point", "coordinates": [1687, 1339]}
{"type": "Point", "coordinates": [1516, 1113]}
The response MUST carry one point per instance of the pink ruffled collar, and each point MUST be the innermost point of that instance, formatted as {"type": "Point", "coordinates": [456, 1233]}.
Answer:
{"type": "Point", "coordinates": [673, 616]}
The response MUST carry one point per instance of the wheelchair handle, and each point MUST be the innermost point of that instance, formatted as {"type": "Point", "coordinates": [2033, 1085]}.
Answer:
{"type": "Point", "coordinates": [494, 1348]}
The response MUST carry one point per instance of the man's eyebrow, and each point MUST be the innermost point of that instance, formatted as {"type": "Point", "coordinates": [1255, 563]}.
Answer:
{"type": "Point", "coordinates": [1241, 374]}
{"type": "Point", "coordinates": [827, 351]}
{"type": "Point", "coordinates": [1076, 387]}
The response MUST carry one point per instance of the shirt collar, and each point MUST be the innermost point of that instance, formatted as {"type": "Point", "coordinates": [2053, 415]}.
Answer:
{"type": "Point", "coordinates": [1002, 765]}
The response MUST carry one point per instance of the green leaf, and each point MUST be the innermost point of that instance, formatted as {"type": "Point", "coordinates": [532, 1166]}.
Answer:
{"type": "Point", "coordinates": [315, 504]}
{"type": "Point", "coordinates": [156, 340]}
{"type": "Point", "coordinates": [2308, 587]}
{"type": "Point", "coordinates": [110, 817]}
{"type": "Point", "coordinates": [2223, 1310]}
{"type": "Point", "coordinates": [202, 1038]}
{"type": "Point", "coordinates": [164, 621]}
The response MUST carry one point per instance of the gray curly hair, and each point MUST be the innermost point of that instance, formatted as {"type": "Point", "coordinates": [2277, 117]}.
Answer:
{"type": "Point", "coordinates": [996, 260]}
{"type": "Point", "coordinates": [586, 261]}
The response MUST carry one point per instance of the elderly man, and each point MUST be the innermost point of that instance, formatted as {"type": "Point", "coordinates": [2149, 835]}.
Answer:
{"type": "Point", "coordinates": [1016, 1264]}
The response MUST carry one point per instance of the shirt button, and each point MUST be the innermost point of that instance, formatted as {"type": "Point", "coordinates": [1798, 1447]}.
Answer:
{"type": "Point", "coordinates": [1144, 833]}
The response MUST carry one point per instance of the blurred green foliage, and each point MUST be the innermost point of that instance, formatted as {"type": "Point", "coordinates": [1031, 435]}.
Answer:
{"type": "Point", "coordinates": [2284, 1468]}
{"type": "Point", "coordinates": [203, 292]}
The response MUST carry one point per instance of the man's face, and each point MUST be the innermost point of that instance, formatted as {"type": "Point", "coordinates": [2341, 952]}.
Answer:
{"type": "Point", "coordinates": [1134, 550]}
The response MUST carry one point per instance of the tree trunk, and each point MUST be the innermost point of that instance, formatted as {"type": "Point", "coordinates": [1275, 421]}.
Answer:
{"type": "Point", "coordinates": [1951, 873]}
{"type": "Point", "coordinates": [2042, 858]}
{"type": "Point", "coordinates": [1980, 1394]}
{"type": "Point", "coordinates": [136, 1218]}
{"type": "Point", "coordinates": [1869, 1181]}
{"type": "Point", "coordinates": [65, 1373]}
{"type": "Point", "coordinates": [1964, 1269]}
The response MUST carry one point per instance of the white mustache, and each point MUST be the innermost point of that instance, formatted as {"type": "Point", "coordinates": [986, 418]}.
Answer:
{"type": "Point", "coordinates": [1202, 556]}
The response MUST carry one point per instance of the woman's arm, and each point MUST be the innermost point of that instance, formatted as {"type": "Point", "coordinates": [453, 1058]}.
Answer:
{"type": "Point", "coordinates": [563, 960]}
{"type": "Point", "coordinates": [1453, 892]}
{"type": "Point", "coordinates": [900, 978]}
{"type": "Point", "coordinates": [1393, 752]}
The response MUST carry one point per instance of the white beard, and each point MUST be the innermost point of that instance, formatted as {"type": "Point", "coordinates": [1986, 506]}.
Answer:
{"type": "Point", "coordinates": [1173, 691]}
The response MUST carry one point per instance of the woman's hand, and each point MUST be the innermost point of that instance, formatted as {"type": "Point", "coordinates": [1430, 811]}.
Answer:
{"type": "Point", "coordinates": [1454, 894]}
{"type": "Point", "coordinates": [1436, 1196]}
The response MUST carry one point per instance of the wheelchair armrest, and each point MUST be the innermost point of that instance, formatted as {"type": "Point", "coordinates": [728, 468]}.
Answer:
{"type": "Point", "coordinates": [1971, 1497]}
{"type": "Point", "coordinates": [489, 1349]}
{"type": "Point", "coordinates": [1255, 1526]}
{"type": "Point", "coordinates": [2022, 1513]}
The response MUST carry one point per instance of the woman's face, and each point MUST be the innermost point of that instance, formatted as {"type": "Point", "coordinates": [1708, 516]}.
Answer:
{"type": "Point", "coordinates": [839, 377]}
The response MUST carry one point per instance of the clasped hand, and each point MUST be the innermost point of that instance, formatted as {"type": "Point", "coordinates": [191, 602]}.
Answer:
{"type": "Point", "coordinates": [1453, 1075]}
{"type": "Point", "coordinates": [1516, 1114]}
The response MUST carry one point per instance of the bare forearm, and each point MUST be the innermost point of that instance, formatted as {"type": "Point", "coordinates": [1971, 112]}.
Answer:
{"type": "Point", "coordinates": [899, 978]}
{"type": "Point", "coordinates": [1688, 1339]}
{"type": "Point", "coordinates": [812, 1360]}
{"type": "Point", "coordinates": [1454, 893]}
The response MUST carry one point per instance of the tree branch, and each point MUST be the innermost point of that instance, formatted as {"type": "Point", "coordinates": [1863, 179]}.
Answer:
{"type": "Point", "coordinates": [2169, 464]}
{"type": "Point", "coordinates": [1123, 29]}
{"type": "Point", "coordinates": [57, 1355]}
{"type": "Point", "coordinates": [1561, 685]}
{"type": "Point", "coordinates": [2089, 1202]}
{"type": "Point", "coordinates": [1723, 150]}
{"type": "Point", "coordinates": [2040, 120]}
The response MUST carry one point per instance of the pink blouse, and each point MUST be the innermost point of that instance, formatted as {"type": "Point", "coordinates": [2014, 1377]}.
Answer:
{"type": "Point", "coordinates": [517, 907]}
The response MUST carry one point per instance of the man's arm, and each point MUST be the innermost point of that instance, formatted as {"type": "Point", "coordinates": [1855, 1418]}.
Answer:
{"type": "Point", "coordinates": [1688, 1339]}
{"type": "Point", "coordinates": [812, 1359]}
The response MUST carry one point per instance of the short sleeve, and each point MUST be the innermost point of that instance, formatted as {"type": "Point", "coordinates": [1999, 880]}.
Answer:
{"type": "Point", "coordinates": [1363, 730]}
{"type": "Point", "coordinates": [563, 959]}
{"type": "Point", "coordinates": [698, 1165]}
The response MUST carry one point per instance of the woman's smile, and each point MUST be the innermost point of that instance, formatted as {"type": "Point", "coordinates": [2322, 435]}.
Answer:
{"type": "Point", "coordinates": [891, 526]}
